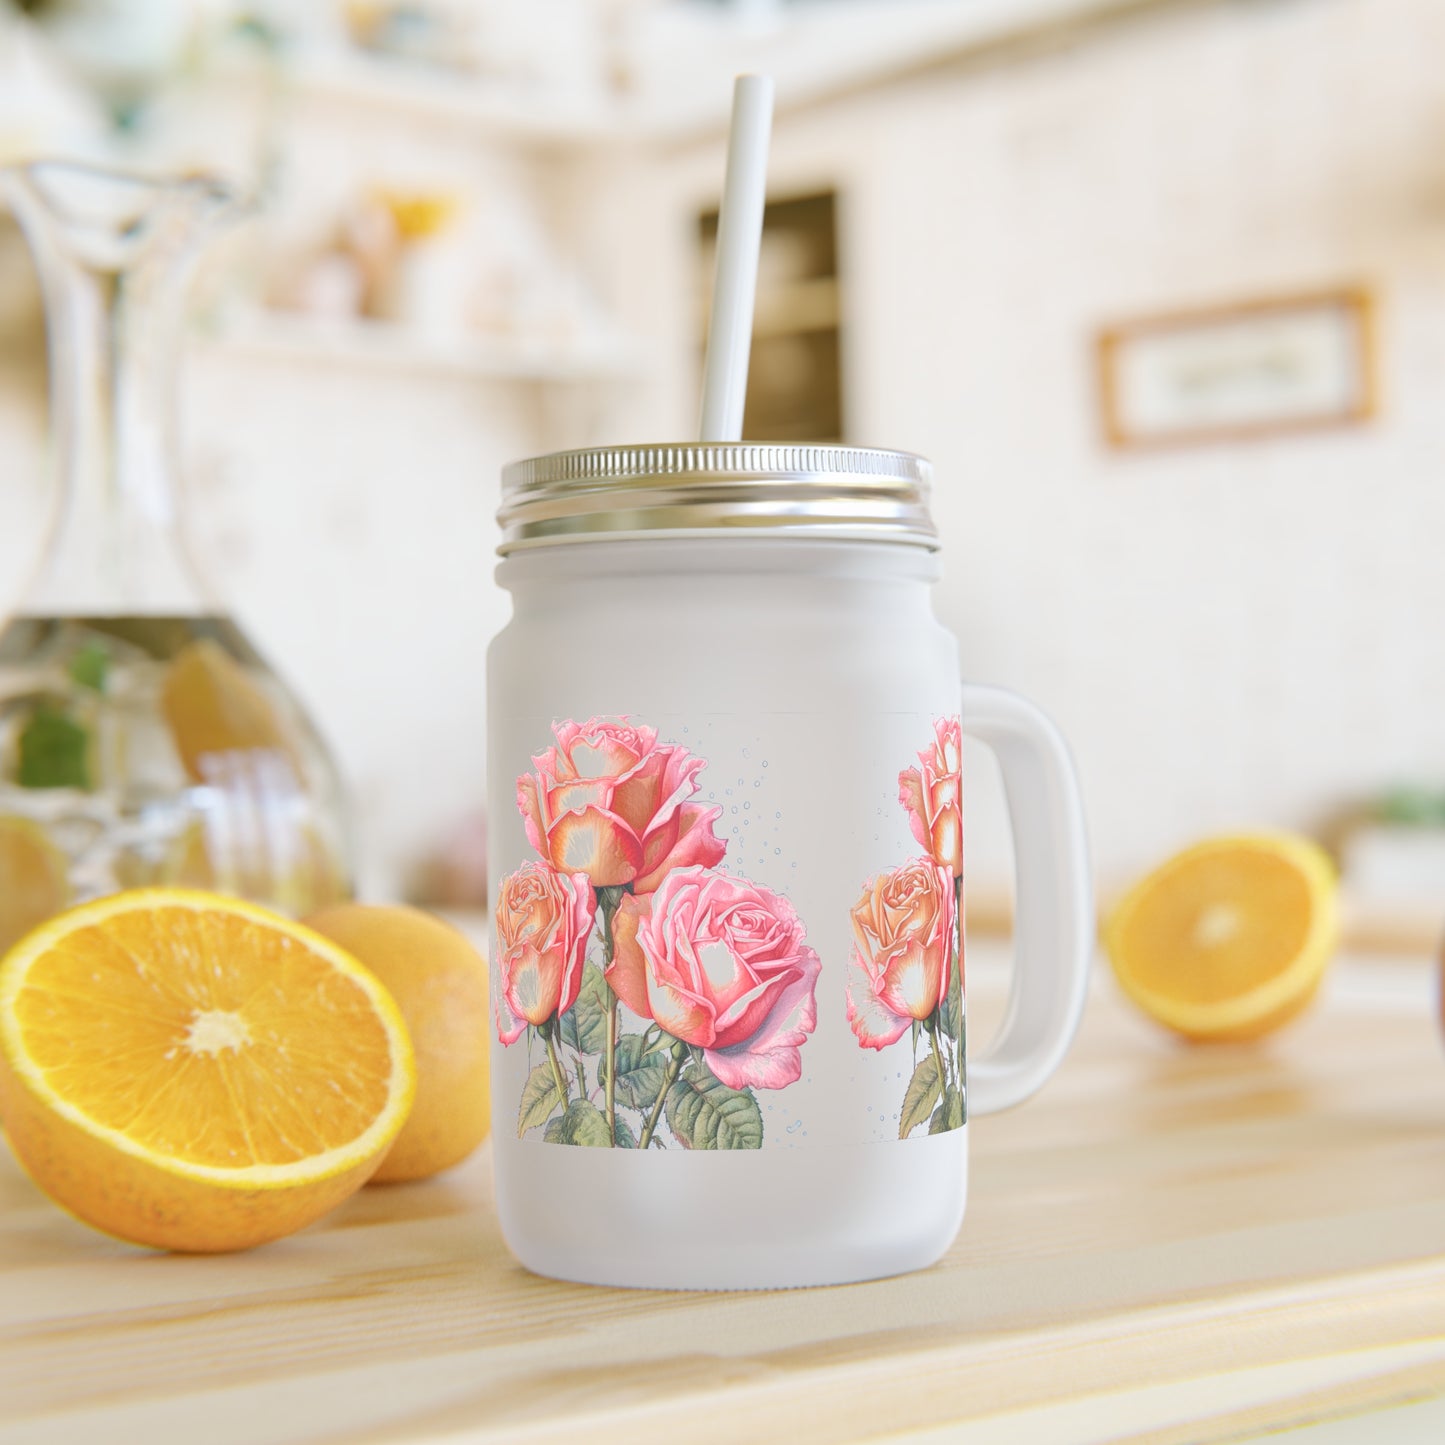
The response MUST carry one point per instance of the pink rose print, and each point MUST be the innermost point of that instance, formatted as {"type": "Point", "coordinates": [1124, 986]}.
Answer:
{"type": "Point", "coordinates": [899, 970]}
{"type": "Point", "coordinates": [609, 802]}
{"type": "Point", "coordinates": [932, 794]}
{"type": "Point", "coordinates": [544, 919]}
{"type": "Point", "coordinates": [905, 973]}
{"type": "Point", "coordinates": [720, 963]}
{"type": "Point", "coordinates": [715, 967]}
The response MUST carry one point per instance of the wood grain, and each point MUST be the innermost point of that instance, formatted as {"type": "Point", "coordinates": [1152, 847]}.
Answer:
{"type": "Point", "coordinates": [1168, 1244]}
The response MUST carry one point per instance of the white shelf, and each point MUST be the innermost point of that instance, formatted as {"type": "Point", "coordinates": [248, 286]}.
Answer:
{"type": "Point", "coordinates": [436, 97]}
{"type": "Point", "coordinates": [682, 53]}
{"type": "Point", "coordinates": [817, 51]}
{"type": "Point", "coordinates": [384, 346]}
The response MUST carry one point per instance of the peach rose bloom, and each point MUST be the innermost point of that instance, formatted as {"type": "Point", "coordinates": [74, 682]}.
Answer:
{"type": "Point", "coordinates": [933, 795]}
{"type": "Point", "coordinates": [722, 964]}
{"type": "Point", "coordinates": [610, 801]}
{"type": "Point", "coordinates": [544, 919]}
{"type": "Point", "coordinates": [900, 965]}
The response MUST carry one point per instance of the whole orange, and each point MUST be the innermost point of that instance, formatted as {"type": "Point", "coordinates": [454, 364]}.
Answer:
{"type": "Point", "coordinates": [439, 982]}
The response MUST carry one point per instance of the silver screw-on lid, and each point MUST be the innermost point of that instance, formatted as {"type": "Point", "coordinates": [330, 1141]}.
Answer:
{"type": "Point", "coordinates": [677, 489]}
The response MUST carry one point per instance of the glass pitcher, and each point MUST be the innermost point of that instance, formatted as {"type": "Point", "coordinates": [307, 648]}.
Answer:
{"type": "Point", "coordinates": [143, 740]}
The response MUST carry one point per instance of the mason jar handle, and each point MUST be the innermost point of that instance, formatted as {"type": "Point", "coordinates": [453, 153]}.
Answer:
{"type": "Point", "coordinates": [1054, 916]}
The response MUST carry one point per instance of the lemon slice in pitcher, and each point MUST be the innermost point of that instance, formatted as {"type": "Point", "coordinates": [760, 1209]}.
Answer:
{"type": "Point", "coordinates": [34, 878]}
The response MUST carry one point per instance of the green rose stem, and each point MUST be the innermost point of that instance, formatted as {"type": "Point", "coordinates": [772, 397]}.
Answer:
{"type": "Point", "coordinates": [548, 1030]}
{"type": "Point", "coordinates": [679, 1050]}
{"type": "Point", "coordinates": [958, 974]}
{"type": "Point", "coordinates": [612, 1069]}
{"type": "Point", "coordinates": [607, 902]}
{"type": "Point", "coordinates": [939, 1054]}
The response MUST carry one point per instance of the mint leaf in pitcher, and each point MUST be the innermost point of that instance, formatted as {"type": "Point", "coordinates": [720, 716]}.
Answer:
{"type": "Point", "coordinates": [90, 666]}
{"type": "Point", "coordinates": [54, 751]}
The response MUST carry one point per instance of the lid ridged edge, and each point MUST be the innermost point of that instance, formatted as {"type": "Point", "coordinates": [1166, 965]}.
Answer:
{"type": "Point", "coordinates": [801, 489]}
{"type": "Point", "coordinates": [714, 459]}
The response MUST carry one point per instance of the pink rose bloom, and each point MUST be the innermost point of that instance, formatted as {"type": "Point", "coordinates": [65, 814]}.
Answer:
{"type": "Point", "coordinates": [608, 801]}
{"type": "Point", "coordinates": [720, 963]}
{"type": "Point", "coordinates": [544, 919]}
{"type": "Point", "coordinates": [899, 967]}
{"type": "Point", "coordinates": [933, 795]}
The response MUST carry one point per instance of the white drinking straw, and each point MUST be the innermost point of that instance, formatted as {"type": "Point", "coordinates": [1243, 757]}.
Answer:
{"type": "Point", "coordinates": [735, 283]}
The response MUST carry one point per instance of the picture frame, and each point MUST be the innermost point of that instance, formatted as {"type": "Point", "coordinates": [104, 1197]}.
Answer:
{"type": "Point", "coordinates": [1256, 369]}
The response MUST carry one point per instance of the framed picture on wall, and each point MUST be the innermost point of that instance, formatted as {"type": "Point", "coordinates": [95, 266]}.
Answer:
{"type": "Point", "coordinates": [1229, 373]}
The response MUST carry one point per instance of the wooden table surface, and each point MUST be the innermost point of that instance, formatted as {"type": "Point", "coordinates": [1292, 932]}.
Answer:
{"type": "Point", "coordinates": [1168, 1244]}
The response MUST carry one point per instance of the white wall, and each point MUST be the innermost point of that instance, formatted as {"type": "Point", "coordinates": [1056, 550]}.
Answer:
{"type": "Point", "coordinates": [1233, 635]}
{"type": "Point", "coordinates": [1230, 635]}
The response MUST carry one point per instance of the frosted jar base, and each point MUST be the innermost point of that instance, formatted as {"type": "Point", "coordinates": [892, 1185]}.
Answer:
{"type": "Point", "coordinates": [777, 1219]}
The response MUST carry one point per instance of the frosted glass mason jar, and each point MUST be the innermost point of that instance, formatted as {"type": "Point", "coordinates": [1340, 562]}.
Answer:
{"type": "Point", "coordinates": [727, 859]}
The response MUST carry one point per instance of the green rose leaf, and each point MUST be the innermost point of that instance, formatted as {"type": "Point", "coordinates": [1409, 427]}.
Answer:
{"type": "Point", "coordinates": [582, 1124]}
{"type": "Point", "coordinates": [950, 1009]}
{"type": "Point", "coordinates": [54, 751]}
{"type": "Point", "coordinates": [622, 1132]}
{"type": "Point", "coordinates": [641, 1069]}
{"type": "Point", "coordinates": [89, 666]}
{"type": "Point", "coordinates": [923, 1090]}
{"type": "Point", "coordinates": [953, 1109]}
{"type": "Point", "coordinates": [584, 1025]}
{"type": "Point", "coordinates": [949, 1114]}
{"type": "Point", "coordinates": [703, 1113]}
{"type": "Point", "coordinates": [540, 1099]}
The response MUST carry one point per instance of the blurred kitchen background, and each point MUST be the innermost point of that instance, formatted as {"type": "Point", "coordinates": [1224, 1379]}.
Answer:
{"type": "Point", "coordinates": [1158, 284]}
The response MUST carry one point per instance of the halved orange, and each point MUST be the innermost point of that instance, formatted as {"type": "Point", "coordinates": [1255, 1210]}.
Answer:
{"type": "Point", "coordinates": [1228, 939]}
{"type": "Point", "coordinates": [196, 1073]}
